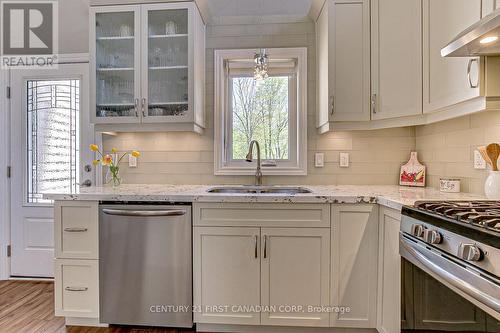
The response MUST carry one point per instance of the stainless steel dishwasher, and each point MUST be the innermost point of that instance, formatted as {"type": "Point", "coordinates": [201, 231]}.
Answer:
{"type": "Point", "coordinates": [145, 267]}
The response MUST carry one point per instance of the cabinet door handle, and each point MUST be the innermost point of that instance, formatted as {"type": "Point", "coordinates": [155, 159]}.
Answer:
{"type": "Point", "coordinates": [469, 67]}
{"type": "Point", "coordinates": [76, 288]}
{"type": "Point", "coordinates": [332, 105]}
{"type": "Point", "coordinates": [136, 107]}
{"type": "Point", "coordinates": [143, 107]}
{"type": "Point", "coordinates": [373, 103]}
{"type": "Point", "coordinates": [265, 246]}
{"type": "Point", "coordinates": [256, 241]}
{"type": "Point", "coordinates": [76, 229]}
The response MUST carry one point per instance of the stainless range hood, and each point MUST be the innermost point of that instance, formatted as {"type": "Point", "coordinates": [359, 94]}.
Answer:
{"type": "Point", "coordinates": [480, 39]}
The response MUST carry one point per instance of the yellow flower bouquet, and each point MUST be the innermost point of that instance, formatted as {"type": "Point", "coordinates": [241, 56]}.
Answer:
{"type": "Point", "coordinates": [113, 174]}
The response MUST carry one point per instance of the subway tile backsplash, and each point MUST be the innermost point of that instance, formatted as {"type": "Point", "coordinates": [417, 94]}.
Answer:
{"type": "Point", "coordinates": [447, 148]}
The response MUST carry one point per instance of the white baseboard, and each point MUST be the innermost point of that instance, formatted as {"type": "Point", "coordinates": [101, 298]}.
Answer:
{"type": "Point", "coordinates": [277, 329]}
{"type": "Point", "coordinates": [94, 322]}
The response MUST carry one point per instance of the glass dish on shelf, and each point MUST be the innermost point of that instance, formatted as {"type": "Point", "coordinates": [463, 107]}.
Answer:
{"type": "Point", "coordinates": [115, 110]}
{"type": "Point", "coordinates": [167, 109]}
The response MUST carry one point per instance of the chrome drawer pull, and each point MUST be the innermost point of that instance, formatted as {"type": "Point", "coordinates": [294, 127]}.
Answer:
{"type": "Point", "coordinates": [145, 213]}
{"type": "Point", "coordinates": [76, 288]}
{"type": "Point", "coordinates": [75, 229]}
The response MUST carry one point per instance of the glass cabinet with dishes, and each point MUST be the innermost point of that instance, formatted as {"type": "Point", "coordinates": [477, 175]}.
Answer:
{"type": "Point", "coordinates": [148, 67]}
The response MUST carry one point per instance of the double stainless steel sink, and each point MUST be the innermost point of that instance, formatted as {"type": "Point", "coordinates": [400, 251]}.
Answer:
{"type": "Point", "coordinates": [260, 190]}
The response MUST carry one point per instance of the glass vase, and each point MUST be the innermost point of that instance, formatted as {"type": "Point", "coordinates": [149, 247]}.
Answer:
{"type": "Point", "coordinates": [113, 178]}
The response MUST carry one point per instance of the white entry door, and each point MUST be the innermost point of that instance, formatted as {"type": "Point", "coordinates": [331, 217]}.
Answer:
{"type": "Point", "coordinates": [50, 134]}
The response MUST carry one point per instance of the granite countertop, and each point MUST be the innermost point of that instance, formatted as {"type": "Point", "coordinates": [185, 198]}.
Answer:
{"type": "Point", "coordinates": [387, 195]}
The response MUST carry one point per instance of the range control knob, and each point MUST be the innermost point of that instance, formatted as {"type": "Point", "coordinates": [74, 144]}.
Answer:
{"type": "Point", "coordinates": [432, 236]}
{"type": "Point", "coordinates": [470, 252]}
{"type": "Point", "coordinates": [417, 230]}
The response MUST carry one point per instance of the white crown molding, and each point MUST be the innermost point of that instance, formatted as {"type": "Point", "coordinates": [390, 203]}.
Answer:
{"type": "Point", "coordinates": [315, 9]}
{"type": "Point", "coordinates": [201, 4]}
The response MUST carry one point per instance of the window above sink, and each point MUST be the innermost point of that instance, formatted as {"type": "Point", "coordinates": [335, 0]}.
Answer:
{"type": "Point", "coordinates": [272, 111]}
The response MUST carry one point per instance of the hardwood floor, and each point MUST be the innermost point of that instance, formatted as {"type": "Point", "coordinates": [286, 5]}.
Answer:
{"type": "Point", "coordinates": [28, 307]}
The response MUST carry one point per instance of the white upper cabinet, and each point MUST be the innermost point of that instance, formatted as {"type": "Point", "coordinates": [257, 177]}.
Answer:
{"type": "Point", "coordinates": [149, 65]}
{"type": "Point", "coordinates": [448, 81]}
{"type": "Point", "coordinates": [396, 32]}
{"type": "Point", "coordinates": [343, 47]}
{"type": "Point", "coordinates": [115, 45]}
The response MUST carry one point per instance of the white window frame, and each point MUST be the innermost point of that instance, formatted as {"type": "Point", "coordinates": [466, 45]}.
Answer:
{"type": "Point", "coordinates": [297, 159]}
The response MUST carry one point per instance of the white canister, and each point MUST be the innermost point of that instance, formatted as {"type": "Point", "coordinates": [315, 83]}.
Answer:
{"type": "Point", "coordinates": [449, 185]}
{"type": "Point", "coordinates": [492, 185]}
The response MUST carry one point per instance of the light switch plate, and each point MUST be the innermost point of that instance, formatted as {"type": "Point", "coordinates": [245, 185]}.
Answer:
{"type": "Point", "coordinates": [319, 160]}
{"type": "Point", "coordinates": [479, 162]}
{"type": "Point", "coordinates": [344, 160]}
{"type": "Point", "coordinates": [132, 161]}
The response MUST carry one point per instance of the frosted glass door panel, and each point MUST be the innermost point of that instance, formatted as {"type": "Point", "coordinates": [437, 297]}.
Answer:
{"type": "Point", "coordinates": [168, 62]}
{"type": "Point", "coordinates": [53, 129]}
{"type": "Point", "coordinates": [115, 38]}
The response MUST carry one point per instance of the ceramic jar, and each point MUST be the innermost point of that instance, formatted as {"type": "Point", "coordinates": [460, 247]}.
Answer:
{"type": "Point", "coordinates": [492, 185]}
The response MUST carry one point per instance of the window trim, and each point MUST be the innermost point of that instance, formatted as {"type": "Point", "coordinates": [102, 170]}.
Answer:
{"type": "Point", "coordinates": [222, 163]}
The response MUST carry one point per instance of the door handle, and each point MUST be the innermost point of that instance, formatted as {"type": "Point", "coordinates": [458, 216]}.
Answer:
{"type": "Point", "coordinates": [469, 67]}
{"type": "Point", "coordinates": [143, 107]}
{"type": "Point", "coordinates": [143, 213]}
{"type": "Point", "coordinates": [75, 229]}
{"type": "Point", "coordinates": [332, 105]}
{"type": "Point", "coordinates": [136, 107]}
{"type": "Point", "coordinates": [76, 288]}
{"type": "Point", "coordinates": [256, 240]}
{"type": "Point", "coordinates": [373, 103]}
{"type": "Point", "coordinates": [86, 183]}
{"type": "Point", "coordinates": [265, 246]}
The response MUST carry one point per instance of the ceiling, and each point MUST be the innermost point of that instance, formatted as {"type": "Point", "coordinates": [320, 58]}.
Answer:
{"type": "Point", "coordinates": [258, 8]}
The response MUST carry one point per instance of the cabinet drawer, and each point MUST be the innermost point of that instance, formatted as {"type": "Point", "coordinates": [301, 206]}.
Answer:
{"type": "Point", "coordinates": [76, 229]}
{"type": "Point", "coordinates": [76, 288]}
{"type": "Point", "coordinates": [262, 215]}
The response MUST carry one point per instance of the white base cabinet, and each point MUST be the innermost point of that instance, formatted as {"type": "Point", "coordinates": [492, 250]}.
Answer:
{"type": "Point", "coordinates": [354, 265]}
{"type": "Point", "coordinates": [294, 272]}
{"type": "Point", "coordinates": [76, 281]}
{"type": "Point", "coordinates": [389, 272]}
{"type": "Point", "coordinates": [226, 273]}
{"type": "Point", "coordinates": [261, 275]}
{"type": "Point", "coordinates": [76, 290]}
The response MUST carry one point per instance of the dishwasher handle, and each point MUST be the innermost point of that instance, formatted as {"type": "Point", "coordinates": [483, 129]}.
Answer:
{"type": "Point", "coordinates": [143, 213]}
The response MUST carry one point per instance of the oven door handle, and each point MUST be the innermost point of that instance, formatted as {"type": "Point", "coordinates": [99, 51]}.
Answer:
{"type": "Point", "coordinates": [453, 274]}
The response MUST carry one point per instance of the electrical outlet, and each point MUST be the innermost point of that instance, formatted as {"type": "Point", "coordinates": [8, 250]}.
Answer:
{"type": "Point", "coordinates": [344, 160]}
{"type": "Point", "coordinates": [132, 161]}
{"type": "Point", "coordinates": [479, 162]}
{"type": "Point", "coordinates": [319, 160]}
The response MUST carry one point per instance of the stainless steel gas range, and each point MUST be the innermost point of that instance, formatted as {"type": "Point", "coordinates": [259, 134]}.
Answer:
{"type": "Point", "coordinates": [451, 266]}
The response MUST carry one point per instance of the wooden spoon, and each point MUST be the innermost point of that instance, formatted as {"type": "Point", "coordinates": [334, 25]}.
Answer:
{"type": "Point", "coordinates": [493, 150]}
{"type": "Point", "coordinates": [484, 154]}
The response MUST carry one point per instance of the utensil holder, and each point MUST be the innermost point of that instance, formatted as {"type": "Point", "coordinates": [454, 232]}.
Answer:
{"type": "Point", "coordinates": [492, 185]}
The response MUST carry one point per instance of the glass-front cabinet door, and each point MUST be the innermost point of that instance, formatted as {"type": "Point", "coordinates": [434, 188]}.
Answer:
{"type": "Point", "coordinates": [165, 71]}
{"type": "Point", "coordinates": [116, 63]}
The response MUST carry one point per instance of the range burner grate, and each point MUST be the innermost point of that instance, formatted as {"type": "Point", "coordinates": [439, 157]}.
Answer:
{"type": "Point", "coordinates": [485, 214]}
